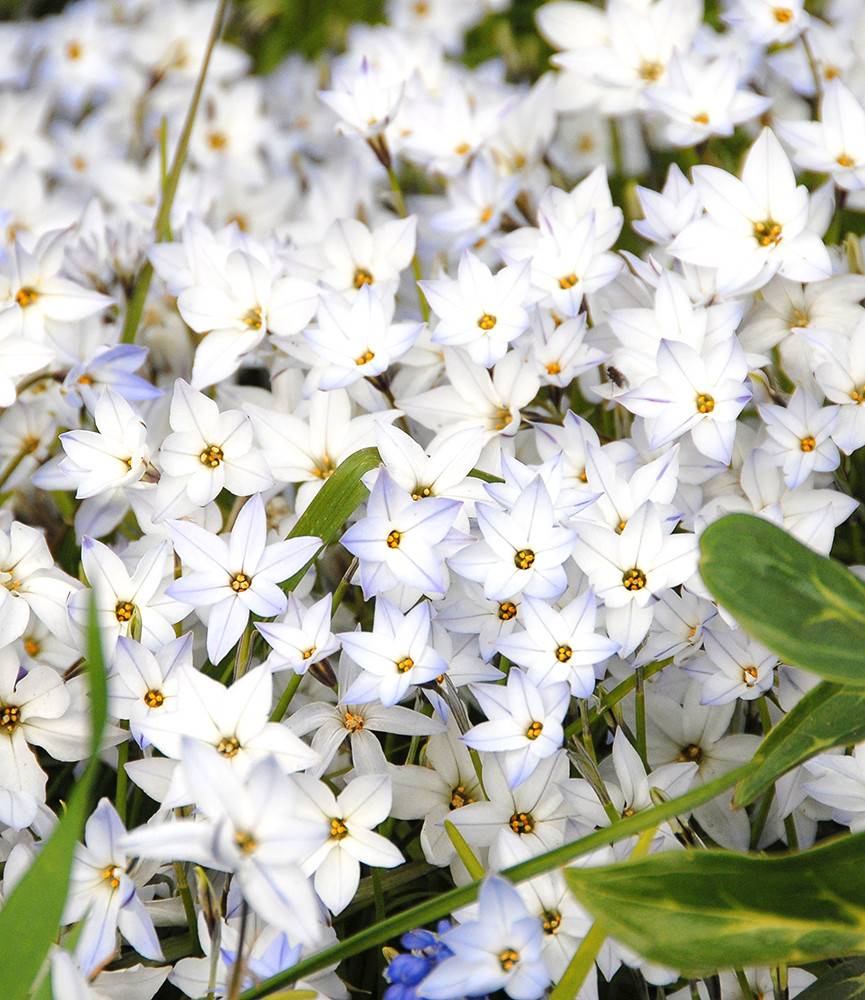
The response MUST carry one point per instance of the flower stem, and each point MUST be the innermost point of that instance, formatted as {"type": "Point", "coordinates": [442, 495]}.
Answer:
{"type": "Point", "coordinates": [399, 200]}
{"type": "Point", "coordinates": [122, 778]}
{"type": "Point", "coordinates": [162, 226]}
{"type": "Point", "coordinates": [186, 899]}
{"type": "Point", "coordinates": [584, 958]}
{"type": "Point", "coordinates": [640, 696]}
{"type": "Point", "coordinates": [278, 714]}
{"type": "Point", "coordinates": [26, 449]}
{"type": "Point", "coordinates": [744, 985]}
{"type": "Point", "coordinates": [237, 968]}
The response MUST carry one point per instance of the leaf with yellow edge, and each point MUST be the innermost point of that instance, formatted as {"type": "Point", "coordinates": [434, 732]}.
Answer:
{"type": "Point", "coordinates": [808, 609]}
{"type": "Point", "coordinates": [701, 911]}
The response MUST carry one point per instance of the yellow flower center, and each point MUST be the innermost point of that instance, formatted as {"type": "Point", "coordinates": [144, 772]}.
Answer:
{"type": "Point", "coordinates": [807, 443]}
{"type": "Point", "coordinates": [568, 281]}
{"type": "Point", "coordinates": [353, 723]}
{"type": "Point", "coordinates": [552, 921]}
{"type": "Point", "coordinates": [405, 664]}
{"type": "Point", "coordinates": [365, 358]}
{"type": "Point", "coordinates": [338, 829]}
{"type": "Point", "coordinates": [10, 717]}
{"type": "Point", "coordinates": [507, 611]}
{"type": "Point", "coordinates": [535, 729]}
{"type": "Point", "coordinates": [459, 797]}
{"type": "Point", "coordinates": [32, 647]}
{"type": "Point", "coordinates": [325, 468]}
{"type": "Point", "coordinates": [524, 558]}
{"type": "Point", "coordinates": [228, 746]}
{"type": "Point", "coordinates": [393, 539]}
{"type": "Point", "coordinates": [109, 875]}
{"type": "Point", "coordinates": [421, 492]}
{"type": "Point", "coordinates": [26, 296]}
{"type": "Point", "coordinates": [798, 318]}
{"type": "Point", "coordinates": [553, 368]}
{"type": "Point", "coordinates": [212, 456]}
{"type": "Point", "coordinates": [691, 754]}
{"type": "Point", "coordinates": [564, 653]}
{"type": "Point", "coordinates": [245, 842]}
{"type": "Point", "coordinates": [783, 15]}
{"type": "Point", "coordinates": [240, 582]}
{"type": "Point", "coordinates": [362, 277]}
{"type": "Point", "coordinates": [502, 418]}
{"type": "Point", "coordinates": [633, 579]}
{"type": "Point", "coordinates": [749, 675]}
{"type": "Point", "coordinates": [705, 403]}
{"type": "Point", "coordinates": [74, 50]}
{"type": "Point", "coordinates": [307, 653]}
{"type": "Point", "coordinates": [487, 321]}
{"type": "Point", "coordinates": [217, 140]}
{"type": "Point", "coordinates": [254, 318]}
{"type": "Point", "coordinates": [463, 149]}
{"type": "Point", "coordinates": [154, 698]}
{"type": "Point", "coordinates": [845, 160]}
{"type": "Point", "coordinates": [701, 118]}
{"type": "Point", "coordinates": [486, 215]}
{"type": "Point", "coordinates": [508, 959]}
{"type": "Point", "coordinates": [522, 823]}
{"type": "Point", "coordinates": [858, 395]}
{"type": "Point", "coordinates": [124, 610]}
{"type": "Point", "coordinates": [650, 70]}
{"type": "Point", "coordinates": [767, 233]}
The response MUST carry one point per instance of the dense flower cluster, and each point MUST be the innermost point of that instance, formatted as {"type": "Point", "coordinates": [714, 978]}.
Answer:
{"type": "Point", "coordinates": [564, 389]}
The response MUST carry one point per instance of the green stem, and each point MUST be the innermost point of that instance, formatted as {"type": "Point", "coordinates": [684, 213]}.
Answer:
{"type": "Point", "coordinates": [640, 696]}
{"type": "Point", "coordinates": [434, 909]}
{"type": "Point", "coordinates": [237, 969]}
{"type": "Point", "coordinates": [278, 714]}
{"type": "Point", "coordinates": [122, 778]}
{"type": "Point", "coordinates": [342, 586]}
{"type": "Point", "coordinates": [162, 226]}
{"type": "Point", "coordinates": [588, 742]}
{"type": "Point", "coordinates": [186, 898]}
{"type": "Point", "coordinates": [15, 461]}
{"type": "Point", "coordinates": [399, 200]}
{"type": "Point", "coordinates": [619, 692]}
{"type": "Point", "coordinates": [581, 964]}
{"type": "Point", "coordinates": [744, 985]}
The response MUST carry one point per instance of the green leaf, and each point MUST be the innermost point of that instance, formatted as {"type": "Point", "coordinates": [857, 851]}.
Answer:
{"type": "Point", "coordinates": [31, 916]}
{"type": "Point", "coordinates": [844, 982]}
{"type": "Point", "coordinates": [334, 503]}
{"type": "Point", "coordinates": [827, 716]}
{"type": "Point", "coordinates": [464, 852]}
{"type": "Point", "coordinates": [701, 911]}
{"type": "Point", "coordinates": [808, 609]}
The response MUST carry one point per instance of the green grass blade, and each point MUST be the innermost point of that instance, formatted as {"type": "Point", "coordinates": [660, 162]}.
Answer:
{"type": "Point", "coordinates": [334, 503]}
{"type": "Point", "coordinates": [30, 919]}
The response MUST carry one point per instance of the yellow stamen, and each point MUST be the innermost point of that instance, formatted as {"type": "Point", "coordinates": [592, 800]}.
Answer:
{"type": "Point", "coordinates": [524, 558]}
